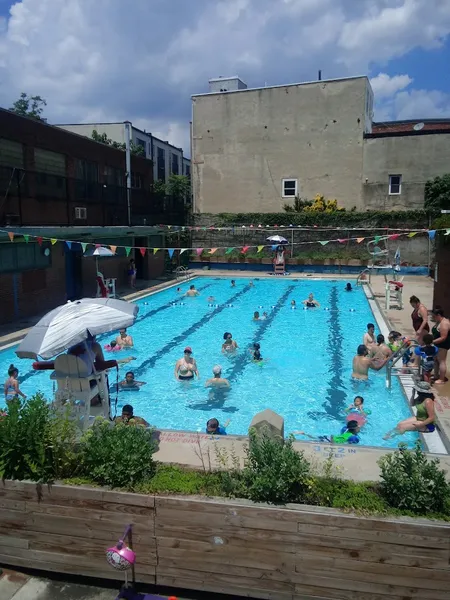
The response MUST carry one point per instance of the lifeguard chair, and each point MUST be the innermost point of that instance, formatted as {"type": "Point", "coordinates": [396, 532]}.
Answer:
{"type": "Point", "coordinates": [105, 289]}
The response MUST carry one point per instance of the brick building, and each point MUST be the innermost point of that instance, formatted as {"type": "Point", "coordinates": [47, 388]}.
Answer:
{"type": "Point", "coordinates": [61, 185]}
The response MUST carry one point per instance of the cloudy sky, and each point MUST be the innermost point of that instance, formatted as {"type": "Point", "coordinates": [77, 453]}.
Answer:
{"type": "Point", "coordinates": [111, 60]}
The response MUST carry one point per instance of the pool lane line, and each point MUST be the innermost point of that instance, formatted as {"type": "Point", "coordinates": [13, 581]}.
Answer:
{"type": "Point", "coordinates": [336, 397]}
{"type": "Point", "coordinates": [104, 336]}
{"type": "Point", "coordinates": [150, 362]}
{"type": "Point", "coordinates": [242, 360]}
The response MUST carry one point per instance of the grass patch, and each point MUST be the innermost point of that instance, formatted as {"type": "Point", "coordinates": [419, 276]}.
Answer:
{"type": "Point", "coordinates": [170, 479]}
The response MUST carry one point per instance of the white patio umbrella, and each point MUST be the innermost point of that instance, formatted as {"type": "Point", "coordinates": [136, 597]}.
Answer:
{"type": "Point", "coordinates": [72, 323]}
{"type": "Point", "coordinates": [277, 239]}
{"type": "Point", "coordinates": [101, 251]}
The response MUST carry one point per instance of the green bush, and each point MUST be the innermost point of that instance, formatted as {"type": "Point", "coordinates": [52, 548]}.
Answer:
{"type": "Point", "coordinates": [274, 472]}
{"type": "Point", "coordinates": [36, 443]}
{"type": "Point", "coordinates": [118, 456]}
{"type": "Point", "coordinates": [409, 481]}
{"type": "Point", "coordinates": [170, 479]}
{"type": "Point", "coordinates": [344, 494]}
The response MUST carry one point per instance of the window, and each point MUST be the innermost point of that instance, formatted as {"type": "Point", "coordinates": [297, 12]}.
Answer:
{"type": "Point", "coordinates": [23, 257]}
{"type": "Point", "coordinates": [395, 185]}
{"type": "Point", "coordinates": [87, 170]}
{"type": "Point", "coordinates": [136, 180]}
{"type": "Point", "coordinates": [80, 213]}
{"type": "Point", "coordinates": [46, 161]}
{"type": "Point", "coordinates": [11, 153]}
{"type": "Point", "coordinates": [289, 188]}
{"type": "Point", "coordinates": [175, 168]}
{"type": "Point", "coordinates": [142, 143]}
{"type": "Point", "coordinates": [161, 164]}
{"type": "Point", "coordinates": [187, 171]}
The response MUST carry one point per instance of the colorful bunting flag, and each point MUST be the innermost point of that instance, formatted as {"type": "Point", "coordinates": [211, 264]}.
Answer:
{"type": "Point", "coordinates": [127, 250]}
{"type": "Point", "coordinates": [342, 241]}
{"type": "Point", "coordinates": [229, 250]}
{"type": "Point", "coordinates": [84, 246]}
{"type": "Point", "coordinates": [53, 241]}
{"type": "Point", "coordinates": [155, 250]}
{"type": "Point", "coordinates": [69, 244]}
{"type": "Point", "coordinates": [183, 250]}
{"type": "Point", "coordinates": [213, 250]}
{"type": "Point", "coordinates": [244, 249]}
{"type": "Point", "coordinates": [394, 236]}
{"type": "Point", "coordinates": [113, 249]}
{"type": "Point", "coordinates": [39, 241]}
{"type": "Point", "coordinates": [324, 242]}
{"type": "Point", "coordinates": [412, 234]}
{"type": "Point", "coordinates": [447, 232]}
{"type": "Point", "coordinates": [359, 240]}
{"type": "Point", "coordinates": [377, 238]}
{"type": "Point", "coordinates": [432, 234]}
{"type": "Point", "coordinates": [11, 235]}
{"type": "Point", "coordinates": [170, 251]}
{"type": "Point", "coordinates": [260, 248]}
{"type": "Point", "coordinates": [26, 237]}
{"type": "Point", "coordinates": [199, 251]}
{"type": "Point", "coordinates": [144, 250]}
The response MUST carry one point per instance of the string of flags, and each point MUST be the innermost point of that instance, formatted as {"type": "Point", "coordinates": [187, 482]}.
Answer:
{"type": "Point", "coordinates": [228, 250]}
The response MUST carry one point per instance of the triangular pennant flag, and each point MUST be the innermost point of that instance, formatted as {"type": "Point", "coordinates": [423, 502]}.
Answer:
{"type": "Point", "coordinates": [169, 226]}
{"type": "Point", "coordinates": [447, 232]}
{"type": "Point", "coordinates": [229, 250]}
{"type": "Point", "coordinates": [377, 238]}
{"type": "Point", "coordinates": [260, 248]}
{"type": "Point", "coordinates": [98, 245]}
{"type": "Point", "coordinates": [359, 240]}
{"type": "Point", "coordinates": [53, 241]}
{"type": "Point", "coordinates": [432, 234]}
{"type": "Point", "coordinates": [412, 234]}
{"type": "Point", "coordinates": [342, 241]}
{"type": "Point", "coordinates": [183, 250]}
{"type": "Point", "coordinates": [199, 251]}
{"type": "Point", "coordinates": [11, 235]}
{"type": "Point", "coordinates": [26, 238]}
{"type": "Point", "coordinates": [113, 249]}
{"type": "Point", "coordinates": [213, 250]}
{"type": "Point", "coordinates": [394, 236]}
{"type": "Point", "coordinates": [144, 250]}
{"type": "Point", "coordinates": [84, 246]}
{"type": "Point", "coordinates": [39, 241]}
{"type": "Point", "coordinates": [127, 250]}
{"type": "Point", "coordinates": [324, 243]}
{"type": "Point", "coordinates": [155, 250]}
{"type": "Point", "coordinates": [69, 244]}
{"type": "Point", "coordinates": [170, 251]}
{"type": "Point", "coordinates": [244, 249]}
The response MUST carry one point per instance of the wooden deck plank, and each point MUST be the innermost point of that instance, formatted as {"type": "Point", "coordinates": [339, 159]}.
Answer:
{"type": "Point", "coordinates": [93, 509]}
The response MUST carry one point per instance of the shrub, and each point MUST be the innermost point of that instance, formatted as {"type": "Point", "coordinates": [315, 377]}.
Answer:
{"type": "Point", "coordinates": [274, 472]}
{"type": "Point", "coordinates": [169, 479]}
{"type": "Point", "coordinates": [119, 456]}
{"type": "Point", "coordinates": [410, 481]}
{"type": "Point", "coordinates": [36, 442]}
{"type": "Point", "coordinates": [350, 495]}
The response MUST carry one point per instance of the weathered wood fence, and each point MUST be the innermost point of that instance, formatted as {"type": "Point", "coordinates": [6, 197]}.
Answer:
{"type": "Point", "coordinates": [235, 547]}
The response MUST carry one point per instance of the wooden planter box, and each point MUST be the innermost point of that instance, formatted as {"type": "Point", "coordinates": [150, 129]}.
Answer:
{"type": "Point", "coordinates": [226, 546]}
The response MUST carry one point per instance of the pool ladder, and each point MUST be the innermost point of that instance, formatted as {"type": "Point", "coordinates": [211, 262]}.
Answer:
{"type": "Point", "coordinates": [182, 273]}
{"type": "Point", "coordinates": [392, 370]}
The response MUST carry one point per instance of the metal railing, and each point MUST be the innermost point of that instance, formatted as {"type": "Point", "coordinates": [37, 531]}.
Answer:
{"type": "Point", "coordinates": [392, 370]}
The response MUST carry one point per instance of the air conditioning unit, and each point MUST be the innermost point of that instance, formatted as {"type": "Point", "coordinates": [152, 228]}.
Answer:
{"type": "Point", "coordinates": [80, 213]}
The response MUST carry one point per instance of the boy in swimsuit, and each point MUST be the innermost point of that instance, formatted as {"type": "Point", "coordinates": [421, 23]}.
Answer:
{"type": "Point", "coordinates": [213, 427]}
{"type": "Point", "coordinates": [192, 292]}
{"type": "Point", "coordinates": [130, 383]}
{"type": "Point", "coordinates": [124, 340]}
{"type": "Point", "coordinates": [348, 435]}
{"type": "Point", "coordinates": [128, 417]}
{"type": "Point", "coordinates": [369, 336]}
{"type": "Point", "coordinates": [427, 354]}
{"type": "Point", "coordinates": [186, 367]}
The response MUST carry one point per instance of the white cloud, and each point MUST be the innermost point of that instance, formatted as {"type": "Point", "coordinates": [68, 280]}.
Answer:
{"type": "Point", "coordinates": [142, 60]}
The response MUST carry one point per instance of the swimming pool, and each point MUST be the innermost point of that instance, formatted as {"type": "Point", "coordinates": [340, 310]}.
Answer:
{"type": "Point", "coordinates": [305, 377]}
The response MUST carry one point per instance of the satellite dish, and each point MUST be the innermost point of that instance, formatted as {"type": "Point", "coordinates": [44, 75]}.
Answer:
{"type": "Point", "coordinates": [418, 126]}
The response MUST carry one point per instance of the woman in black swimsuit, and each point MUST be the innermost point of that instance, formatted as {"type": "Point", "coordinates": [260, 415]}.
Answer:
{"type": "Point", "coordinates": [310, 302]}
{"type": "Point", "coordinates": [441, 336]}
{"type": "Point", "coordinates": [186, 367]}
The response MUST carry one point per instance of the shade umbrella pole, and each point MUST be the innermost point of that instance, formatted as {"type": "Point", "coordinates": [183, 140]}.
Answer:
{"type": "Point", "coordinates": [292, 244]}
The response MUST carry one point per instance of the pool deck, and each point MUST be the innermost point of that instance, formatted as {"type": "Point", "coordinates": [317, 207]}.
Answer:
{"type": "Point", "coordinates": [200, 451]}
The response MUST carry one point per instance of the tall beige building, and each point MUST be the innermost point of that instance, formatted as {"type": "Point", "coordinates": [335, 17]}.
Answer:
{"type": "Point", "coordinates": [254, 150]}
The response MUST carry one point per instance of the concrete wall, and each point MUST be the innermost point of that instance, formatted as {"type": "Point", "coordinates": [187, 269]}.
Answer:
{"type": "Point", "coordinates": [416, 157]}
{"type": "Point", "coordinates": [244, 143]}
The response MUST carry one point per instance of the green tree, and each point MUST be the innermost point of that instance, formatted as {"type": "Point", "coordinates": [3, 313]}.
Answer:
{"type": "Point", "coordinates": [104, 139]}
{"type": "Point", "coordinates": [179, 186]}
{"type": "Point", "coordinates": [29, 106]}
{"type": "Point", "coordinates": [437, 193]}
{"type": "Point", "coordinates": [159, 188]}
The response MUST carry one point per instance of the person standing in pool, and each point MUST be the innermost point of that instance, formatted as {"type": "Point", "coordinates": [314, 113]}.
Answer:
{"type": "Point", "coordinates": [186, 367]}
{"type": "Point", "coordinates": [381, 350]}
{"type": "Point", "coordinates": [362, 363]}
{"type": "Point", "coordinates": [124, 339]}
{"type": "Point", "coordinates": [192, 292]}
{"type": "Point", "coordinates": [310, 302]}
{"type": "Point", "coordinates": [256, 316]}
{"type": "Point", "coordinates": [348, 287]}
{"type": "Point", "coordinates": [441, 336]}
{"type": "Point", "coordinates": [229, 344]}
{"type": "Point", "coordinates": [233, 283]}
{"type": "Point", "coordinates": [11, 386]}
{"type": "Point", "coordinates": [217, 381]}
{"type": "Point", "coordinates": [369, 337]}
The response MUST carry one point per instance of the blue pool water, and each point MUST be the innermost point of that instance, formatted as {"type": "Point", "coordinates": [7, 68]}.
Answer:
{"type": "Point", "coordinates": [306, 375]}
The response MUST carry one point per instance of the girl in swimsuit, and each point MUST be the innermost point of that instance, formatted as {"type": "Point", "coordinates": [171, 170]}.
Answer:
{"type": "Point", "coordinates": [419, 317]}
{"type": "Point", "coordinates": [441, 335]}
{"type": "Point", "coordinates": [186, 367]}
{"type": "Point", "coordinates": [310, 302]}
{"type": "Point", "coordinates": [229, 344]}
{"type": "Point", "coordinates": [12, 390]}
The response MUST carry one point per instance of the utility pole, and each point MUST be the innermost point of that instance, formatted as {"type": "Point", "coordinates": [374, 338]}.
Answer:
{"type": "Point", "coordinates": [128, 167]}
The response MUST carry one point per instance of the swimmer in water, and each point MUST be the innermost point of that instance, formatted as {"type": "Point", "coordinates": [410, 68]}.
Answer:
{"type": "Point", "coordinates": [251, 284]}
{"type": "Point", "coordinates": [217, 381]}
{"type": "Point", "coordinates": [186, 367]}
{"type": "Point", "coordinates": [192, 292]}
{"type": "Point", "coordinates": [129, 382]}
{"type": "Point", "coordinates": [348, 435]}
{"type": "Point", "coordinates": [255, 351]}
{"type": "Point", "coordinates": [310, 302]}
{"type": "Point", "coordinates": [256, 316]}
{"type": "Point", "coordinates": [381, 350]}
{"type": "Point", "coordinates": [229, 344]}
{"type": "Point", "coordinates": [369, 336]}
{"type": "Point", "coordinates": [264, 316]}
{"type": "Point", "coordinates": [233, 283]}
{"type": "Point", "coordinates": [293, 303]}
{"type": "Point", "coordinates": [348, 287]}
{"type": "Point", "coordinates": [178, 290]}
{"type": "Point", "coordinates": [362, 363]}
{"type": "Point", "coordinates": [210, 299]}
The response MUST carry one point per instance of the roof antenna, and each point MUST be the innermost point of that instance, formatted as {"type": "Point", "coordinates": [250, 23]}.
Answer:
{"type": "Point", "coordinates": [320, 74]}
